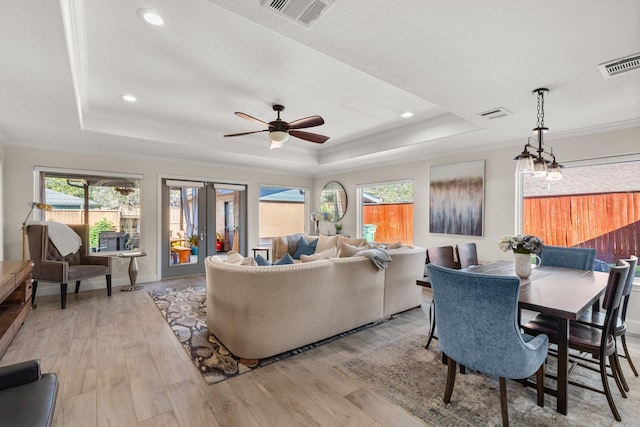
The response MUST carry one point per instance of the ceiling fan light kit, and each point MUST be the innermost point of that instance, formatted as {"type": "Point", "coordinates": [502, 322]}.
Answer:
{"type": "Point", "coordinates": [539, 166]}
{"type": "Point", "coordinates": [279, 130]}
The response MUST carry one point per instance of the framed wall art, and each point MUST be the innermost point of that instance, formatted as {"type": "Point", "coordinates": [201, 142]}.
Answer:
{"type": "Point", "coordinates": [456, 199]}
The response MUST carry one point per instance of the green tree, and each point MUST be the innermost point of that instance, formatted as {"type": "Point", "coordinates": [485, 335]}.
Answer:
{"type": "Point", "coordinates": [94, 233]}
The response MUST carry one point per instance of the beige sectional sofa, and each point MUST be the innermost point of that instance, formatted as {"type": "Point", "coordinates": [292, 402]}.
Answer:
{"type": "Point", "coordinates": [259, 312]}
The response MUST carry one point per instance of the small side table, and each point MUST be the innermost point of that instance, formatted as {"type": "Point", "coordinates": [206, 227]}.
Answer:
{"type": "Point", "coordinates": [133, 269]}
{"type": "Point", "coordinates": [265, 249]}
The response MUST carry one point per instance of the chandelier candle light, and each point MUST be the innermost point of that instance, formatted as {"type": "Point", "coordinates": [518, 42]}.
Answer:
{"type": "Point", "coordinates": [523, 246]}
{"type": "Point", "coordinates": [539, 166]}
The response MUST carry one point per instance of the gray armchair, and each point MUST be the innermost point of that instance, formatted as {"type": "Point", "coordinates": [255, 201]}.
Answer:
{"type": "Point", "coordinates": [477, 328]}
{"type": "Point", "coordinates": [51, 266]}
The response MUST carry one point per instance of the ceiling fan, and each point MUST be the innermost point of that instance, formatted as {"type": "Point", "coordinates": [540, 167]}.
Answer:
{"type": "Point", "coordinates": [279, 130]}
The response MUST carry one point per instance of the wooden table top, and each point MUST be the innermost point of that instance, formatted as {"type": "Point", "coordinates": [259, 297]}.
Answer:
{"type": "Point", "coordinates": [560, 292]}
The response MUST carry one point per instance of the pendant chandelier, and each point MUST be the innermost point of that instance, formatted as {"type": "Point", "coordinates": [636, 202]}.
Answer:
{"type": "Point", "coordinates": [542, 164]}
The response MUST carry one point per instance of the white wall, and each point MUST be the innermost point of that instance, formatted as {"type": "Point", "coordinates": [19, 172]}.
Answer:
{"type": "Point", "coordinates": [18, 187]}
{"type": "Point", "coordinates": [18, 184]}
{"type": "Point", "coordinates": [500, 203]}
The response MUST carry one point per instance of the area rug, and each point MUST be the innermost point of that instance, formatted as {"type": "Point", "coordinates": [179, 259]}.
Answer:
{"type": "Point", "coordinates": [412, 377]}
{"type": "Point", "coordinates": [185, 310]}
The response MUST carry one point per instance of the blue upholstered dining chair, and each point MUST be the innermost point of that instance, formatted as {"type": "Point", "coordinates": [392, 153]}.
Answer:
{"type": "Point", "coordinates": [576, 258]}
{"type": "Point", "coordinates": [477, 327]}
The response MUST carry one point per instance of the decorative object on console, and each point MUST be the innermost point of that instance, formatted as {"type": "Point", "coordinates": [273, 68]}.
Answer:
{"type": "Point", "coordinates": [537, 165]}
{"type": "Point", "coordinates": [456, 199]}
{"type": "Point", "coordinates": [34, 205]}
{"type": "Point", "coordinates": [279, 130]}
{"type": "Point", "coordinates": [316, 217]}
{"type": "Point", "coordinates": [523, 246]}
{"type": "Point", "coordinates": [338, 227]}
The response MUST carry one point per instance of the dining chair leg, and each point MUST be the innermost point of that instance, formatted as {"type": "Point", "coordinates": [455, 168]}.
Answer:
{"type": "Point", "coordinates": [605, 385]}
{"type": "Point", "coordinates": [540, 385]}
{"type": "Point", "coordinates": [432, 323]}
{"type": "Point", "coordinates": [627, 356]}
{"type": "Point", "coordinates": [77, 286]}
{"type": "Point", "coordinates": [34, 288]}
{"type": "Point", "coordinates": [616, 372]}
{"type": "Point", "coordinates": [451, 379]}
{"type": "Point", "coordinates": [503, 402]}
{"type": "Point", "coordinates": [623, 380]}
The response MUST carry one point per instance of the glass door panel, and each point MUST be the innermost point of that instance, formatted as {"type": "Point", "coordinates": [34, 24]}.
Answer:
{"type": "Point", "coordinates": [184, 236]}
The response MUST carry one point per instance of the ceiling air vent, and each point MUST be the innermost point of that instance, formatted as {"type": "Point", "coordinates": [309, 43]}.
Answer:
{"type": "Point", "coordinates": [304, 12]}
{"type": "Point", "coordinates": [495, 113]}
{"type": "Point", "coordinates": [620, 66]}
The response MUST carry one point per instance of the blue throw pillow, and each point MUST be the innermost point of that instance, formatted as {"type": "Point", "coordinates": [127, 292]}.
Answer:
{"type": "Point", "coordinates": [261, 261]}
{"type": "Point", "coordinates": [286, 259]}
{"type": "Point", "coordinates": [305, 248]}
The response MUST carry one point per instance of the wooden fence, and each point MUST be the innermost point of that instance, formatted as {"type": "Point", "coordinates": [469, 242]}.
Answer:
{"type": "Point", "coordinates": [608, 222]}
{"type": "Point", "coordinates": [394, 222]}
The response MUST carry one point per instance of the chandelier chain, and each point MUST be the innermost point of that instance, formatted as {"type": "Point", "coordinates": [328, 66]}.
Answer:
{"type": "Point", "coordinates": [540, 109]}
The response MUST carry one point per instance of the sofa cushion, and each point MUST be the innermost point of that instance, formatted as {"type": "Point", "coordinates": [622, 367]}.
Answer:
{"type": "Point", "coordinates": [326, 254]}
{"type": "Point", "coordinates": [347, 250]}
{"type": "Point", "coordinates": [235, 258]}
{"type": "Point", "coordinates": [326, 242]}
{"type": "Point", "coordinates": [304, 247]}
{"type": "Point", "coordinates": [262, 262]}
{"type": "Point", "coordinates": [351, 241]}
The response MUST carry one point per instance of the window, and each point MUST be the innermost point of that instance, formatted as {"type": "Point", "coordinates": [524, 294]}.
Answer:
{"type": "Point", "coordinates": [595, 206]}
{"type": "Point", "coordinates": [386, 212]}
{"type": "Point", "coordinates": [282, 212]}
{"type": "Point", "coordinates": [108, 202]}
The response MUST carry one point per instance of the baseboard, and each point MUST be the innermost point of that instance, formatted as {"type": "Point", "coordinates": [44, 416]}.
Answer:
{"type": "Point", "coordinates": [48, 288]}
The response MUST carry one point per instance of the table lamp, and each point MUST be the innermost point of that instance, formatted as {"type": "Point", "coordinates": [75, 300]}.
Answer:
{"type": "Point", "coordinates": [41, 206]}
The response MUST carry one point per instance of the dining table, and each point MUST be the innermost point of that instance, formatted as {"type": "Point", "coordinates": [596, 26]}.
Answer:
{"type": "Point", "coordinates": [563, 293]}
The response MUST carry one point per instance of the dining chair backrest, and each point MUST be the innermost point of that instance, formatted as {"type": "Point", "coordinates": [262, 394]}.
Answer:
{"type": "Point", "coordinates": [576, 258]}
{"type": "Point", "coordinates": [467, 254]}
{"type": "Point", "coordinates": [613, 296]}
{"type": "Point", "coordinates": [442, 256]}
{"type": "Point", "coordinates": [477, 324]}
{"type": "Point", "coordinates": [626, 293]}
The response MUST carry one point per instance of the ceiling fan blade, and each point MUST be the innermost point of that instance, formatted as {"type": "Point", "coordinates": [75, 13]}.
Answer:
{"type": "Point", "coordinates": [253, 119]}
{"type": "Point", "coordinates": [313, 137]}
{"type": "Point", "coordinates": [307, 122]}
{"type": "Point", "coordinates": [246, 133]}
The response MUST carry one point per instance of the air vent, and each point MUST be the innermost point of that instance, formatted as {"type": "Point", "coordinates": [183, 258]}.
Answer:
{"type": "Point", "coordinates": [304, 12]}
{"type": "Point", "coordinates": [495, 113]}
{"type": "Point", "coordinates": [620, 66]}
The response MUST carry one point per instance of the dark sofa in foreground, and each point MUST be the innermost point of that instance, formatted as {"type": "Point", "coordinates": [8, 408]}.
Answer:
{"type": "Point", "coordinates": [27, 397]}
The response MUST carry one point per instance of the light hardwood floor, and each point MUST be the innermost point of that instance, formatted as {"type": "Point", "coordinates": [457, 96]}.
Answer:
{"type": "Point", "coordinates": [119, 364]}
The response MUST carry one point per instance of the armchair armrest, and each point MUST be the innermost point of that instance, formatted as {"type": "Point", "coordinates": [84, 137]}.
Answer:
{"type": "Point", "coordinates": [19, 374]}
{"type": "Point", "coordinates": [53, 271]}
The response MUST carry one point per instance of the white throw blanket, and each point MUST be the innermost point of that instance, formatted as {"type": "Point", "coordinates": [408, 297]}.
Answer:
{"type": "Point", "coordinates": [62, 236]}
{"type": "Point", "coordinates": [379, 257]}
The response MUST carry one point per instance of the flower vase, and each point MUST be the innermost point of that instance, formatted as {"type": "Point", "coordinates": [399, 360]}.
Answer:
{"type": "Point", "coordinates": [317, 228]}
{"type": "Point", "coordinates": [522, 265]}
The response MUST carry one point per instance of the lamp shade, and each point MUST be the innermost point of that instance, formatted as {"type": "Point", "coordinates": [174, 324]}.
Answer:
{"type": "Point", "coordinates": [278, 136]}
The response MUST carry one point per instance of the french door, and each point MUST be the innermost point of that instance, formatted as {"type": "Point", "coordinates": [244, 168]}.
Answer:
{"type": "Point", "coordinates": [200, 219]}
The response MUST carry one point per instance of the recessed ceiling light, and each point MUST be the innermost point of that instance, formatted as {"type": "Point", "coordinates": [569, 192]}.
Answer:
{"type": "Point", "coordinates": [406, 114]}
{"type": "Point", "coordinates": [151, 17]}
{"type": "Point", "coordinates": [129, 98]}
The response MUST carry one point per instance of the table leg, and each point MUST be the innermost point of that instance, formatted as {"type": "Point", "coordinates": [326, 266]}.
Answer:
{"type": "Point", "coordinates": [563, 364]}
{"type": "Point", "coordinates": [133, 275]}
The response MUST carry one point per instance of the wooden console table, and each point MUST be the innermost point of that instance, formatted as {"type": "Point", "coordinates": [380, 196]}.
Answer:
{"type": "Point", "coordinates": [15, 299]}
